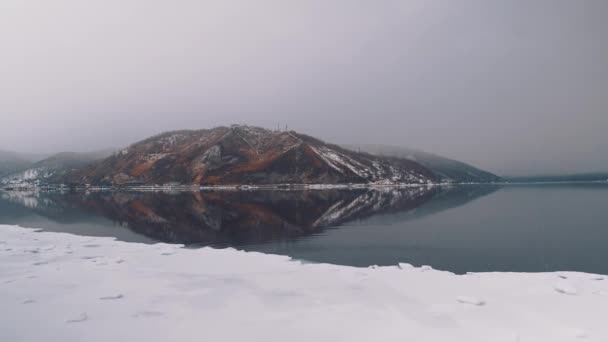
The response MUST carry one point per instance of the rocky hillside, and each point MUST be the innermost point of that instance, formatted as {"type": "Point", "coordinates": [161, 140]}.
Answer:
{"type": "Point", "coordinates": [447, 170]}
{"type": "Point", "coordinates": [245, 155]}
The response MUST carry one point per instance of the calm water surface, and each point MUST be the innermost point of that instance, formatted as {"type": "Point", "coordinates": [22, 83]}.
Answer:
{"type": "Point", "coordinates": [460, 229]}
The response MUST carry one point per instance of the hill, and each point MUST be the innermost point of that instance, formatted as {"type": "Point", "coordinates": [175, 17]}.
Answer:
{"type": "Point", "coordinates": [245, 155]}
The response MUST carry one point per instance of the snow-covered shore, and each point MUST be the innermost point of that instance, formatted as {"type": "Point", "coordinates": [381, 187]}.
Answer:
{"type": "Point", "coordinates": [61, 287]}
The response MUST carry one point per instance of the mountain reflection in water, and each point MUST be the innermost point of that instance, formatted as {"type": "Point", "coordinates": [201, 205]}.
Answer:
{"type": "Point", "coordinates": [228, 218]}
{"type": "Point", "coordinates": [464, 228]}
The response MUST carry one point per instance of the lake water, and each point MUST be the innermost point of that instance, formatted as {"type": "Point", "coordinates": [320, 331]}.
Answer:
{"type": "Point", "coordinates": [468, 228]}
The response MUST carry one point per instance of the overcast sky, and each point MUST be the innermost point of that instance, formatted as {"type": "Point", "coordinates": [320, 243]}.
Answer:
{"type": "Point", "coordinates": [511, 86]}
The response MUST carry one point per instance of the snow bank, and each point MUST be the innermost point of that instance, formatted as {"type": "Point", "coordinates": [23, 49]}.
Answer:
{"type": "Point", "coordinates": [60, 287]}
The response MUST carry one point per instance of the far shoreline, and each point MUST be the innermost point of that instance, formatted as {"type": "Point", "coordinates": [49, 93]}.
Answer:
{"type": "Point", "coordinates": [240, 187]}
{"type": "Point", "coordinates": [280, 187]}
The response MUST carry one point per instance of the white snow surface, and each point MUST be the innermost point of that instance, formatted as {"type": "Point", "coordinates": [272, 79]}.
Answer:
{"type": "Point", "coordinates": [61, 287]}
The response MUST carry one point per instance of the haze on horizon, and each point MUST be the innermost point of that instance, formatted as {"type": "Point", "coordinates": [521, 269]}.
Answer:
{"type": "Point", "coordinates": [514, 87]}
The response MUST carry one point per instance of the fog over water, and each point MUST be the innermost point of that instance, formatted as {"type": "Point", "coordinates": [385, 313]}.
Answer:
{"type": "Point", "coordinates": [514, 87]}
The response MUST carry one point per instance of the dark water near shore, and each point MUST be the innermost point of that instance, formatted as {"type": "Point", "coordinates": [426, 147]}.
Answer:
{"type": "Point", "coordinates": [468, 228]}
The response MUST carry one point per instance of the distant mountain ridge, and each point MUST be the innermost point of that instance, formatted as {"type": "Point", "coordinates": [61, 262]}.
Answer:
{"type": "Point", "coordinates": [447, 170]}
{"type": "Point", "coordinates": [11, 162]}
{"type": "Point", "coordinates": [245, 155]}
{"type": "Point", "coordinates": [53, 167]}
{"type": "Point", "coordinates": [578, 177]}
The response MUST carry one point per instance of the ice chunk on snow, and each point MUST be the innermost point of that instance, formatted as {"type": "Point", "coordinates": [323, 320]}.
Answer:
{"type": "Point", "coordinates": [405, 266]}
{"type": "Point", "coordinates": [83, 317]}
{"type": "Point", "coordinates": [115, 297]}
{"type": "Point", "coordinates": [565, 288]}
{"type": "Point", "coordinates": [470, 300]}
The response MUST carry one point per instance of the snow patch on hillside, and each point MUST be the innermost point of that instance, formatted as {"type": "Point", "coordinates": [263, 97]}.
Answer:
{"type": "Point", "coordinates": [377, 172]}
{"type": "Point", "coordinates": [27, 176]}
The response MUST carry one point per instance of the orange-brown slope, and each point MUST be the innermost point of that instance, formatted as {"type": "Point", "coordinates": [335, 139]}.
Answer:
{"type": "Point", "coordinates": [245, 155]}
